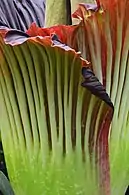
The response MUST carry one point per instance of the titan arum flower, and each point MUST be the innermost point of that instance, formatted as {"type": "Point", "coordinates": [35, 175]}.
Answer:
{"type": "Point", "coordinates": [105, 42]}
{"type": "Point", "coordinates": [55, 118]}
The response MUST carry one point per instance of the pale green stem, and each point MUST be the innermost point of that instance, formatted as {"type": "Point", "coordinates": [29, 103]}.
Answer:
{"type": "Point", "coordinates": [55, 12]}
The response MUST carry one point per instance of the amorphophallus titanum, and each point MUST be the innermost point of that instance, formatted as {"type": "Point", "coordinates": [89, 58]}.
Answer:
{"type": "Point", "coordinates": [105, 42]}
{"type": "Point", "coordinates": [19, 14]}
{"type": "Point", "coordinates": [55, 132]}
